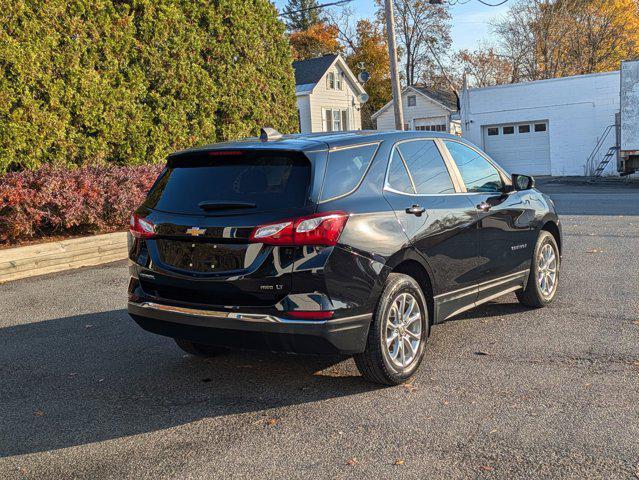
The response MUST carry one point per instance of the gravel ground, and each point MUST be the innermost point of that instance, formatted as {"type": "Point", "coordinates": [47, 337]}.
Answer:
{"type": "Point", "coordinates": [504, 392]}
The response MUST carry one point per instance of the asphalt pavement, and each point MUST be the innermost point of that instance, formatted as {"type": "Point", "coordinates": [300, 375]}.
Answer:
{"type": "Point", "coordinates": [504, 391]}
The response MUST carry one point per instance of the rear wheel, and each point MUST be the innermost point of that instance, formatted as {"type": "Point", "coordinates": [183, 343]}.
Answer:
{"type": "Point", "coordinates": [398, 333]}
{"type": "Point", "coordinates": [544, 273]}
{"type": "Point", "coordinates": [199, 349]}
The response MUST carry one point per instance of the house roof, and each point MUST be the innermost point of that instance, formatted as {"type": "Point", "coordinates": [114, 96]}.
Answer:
{"type": "Point", "coordinates": [309, 72]}
{"type": "Point", "coordinates": [312, 70]}
{"type": "Point", "coordinates": [446, 99]}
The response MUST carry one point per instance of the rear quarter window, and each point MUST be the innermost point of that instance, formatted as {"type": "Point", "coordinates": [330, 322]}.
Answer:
{"type": "Point", "coordinates": [345, 170]}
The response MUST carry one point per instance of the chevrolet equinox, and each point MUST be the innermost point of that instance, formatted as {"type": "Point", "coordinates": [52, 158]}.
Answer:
{"type": "Point", "coordinates": [350, 243]}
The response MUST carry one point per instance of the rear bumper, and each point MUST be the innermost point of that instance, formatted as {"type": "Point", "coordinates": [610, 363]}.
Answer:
{"type": "Point", "coordinates": [255, 331]}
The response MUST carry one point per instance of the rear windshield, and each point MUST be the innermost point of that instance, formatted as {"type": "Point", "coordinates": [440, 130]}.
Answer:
{"type": "Point", "coordinates": [252, 181]}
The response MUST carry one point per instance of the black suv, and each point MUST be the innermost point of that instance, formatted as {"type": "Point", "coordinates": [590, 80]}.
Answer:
{"type": "Point", "coordinates": [349, 243]}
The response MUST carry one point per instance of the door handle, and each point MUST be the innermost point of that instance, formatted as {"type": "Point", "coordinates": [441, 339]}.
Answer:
{"type": "Point", "coordinates": [483, 206]}
{"type": "Point", "coordinates": [415, 210]}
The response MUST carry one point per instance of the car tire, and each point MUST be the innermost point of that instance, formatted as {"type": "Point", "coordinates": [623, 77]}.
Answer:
{"type": "Point", "coordinates": [383, 362]}
{"type": "Point", "coordinates": [544, 271]}
{"type": "Point", "coordinates": [199, 349]}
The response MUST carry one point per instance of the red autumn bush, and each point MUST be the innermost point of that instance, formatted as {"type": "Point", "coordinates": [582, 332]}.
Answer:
{"type": "Point", "coordinates": [52, 201]}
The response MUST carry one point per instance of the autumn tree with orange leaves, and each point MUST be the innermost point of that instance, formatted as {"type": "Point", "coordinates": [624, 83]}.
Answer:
{"type": "Point", "coordinates": [556, 38]}
{"type": "Point", "coordinates": [317, 40]}
{"type": "Point", "coordinates": [370, 51]}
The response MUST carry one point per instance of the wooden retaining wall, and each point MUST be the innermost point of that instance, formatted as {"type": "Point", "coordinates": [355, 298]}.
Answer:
{"type": "Point", "coordinates": [21, 262]}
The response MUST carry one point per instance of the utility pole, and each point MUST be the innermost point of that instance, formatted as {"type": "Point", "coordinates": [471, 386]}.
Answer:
{"type": "Point", "coordinates": [392, 54]}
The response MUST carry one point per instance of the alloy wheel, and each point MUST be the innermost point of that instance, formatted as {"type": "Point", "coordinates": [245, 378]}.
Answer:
{"type": "Point", "coordinates": [403, 330]}
{"type": "Point", "coordinates": [547, 268]}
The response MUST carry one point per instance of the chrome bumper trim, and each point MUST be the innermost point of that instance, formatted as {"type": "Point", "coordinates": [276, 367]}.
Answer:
{"type": "Point", "coordinates": [245, 317]}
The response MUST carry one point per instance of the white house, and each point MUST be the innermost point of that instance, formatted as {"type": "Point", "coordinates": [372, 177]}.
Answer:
{"type": "Point", "coordinates": [329, 97]}
{"type": "Point", "coordinates": [424, 109]}
{"type": "Point", "coordinates": [546, 127]}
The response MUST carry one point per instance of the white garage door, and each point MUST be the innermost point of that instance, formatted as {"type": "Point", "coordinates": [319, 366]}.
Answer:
{"type": "Point", "coordinates": [519, 147]}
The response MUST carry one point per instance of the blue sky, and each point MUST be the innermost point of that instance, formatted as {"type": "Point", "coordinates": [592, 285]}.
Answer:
{"type": "Point", "coordinates": [470, 20]}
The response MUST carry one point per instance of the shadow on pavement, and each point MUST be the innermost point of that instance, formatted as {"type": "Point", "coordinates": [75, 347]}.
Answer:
{"type": "Point", "coordinates": [89, 378]}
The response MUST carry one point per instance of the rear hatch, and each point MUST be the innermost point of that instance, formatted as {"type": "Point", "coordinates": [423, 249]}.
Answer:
{"type": "Point", "coordinates": [204, 207]}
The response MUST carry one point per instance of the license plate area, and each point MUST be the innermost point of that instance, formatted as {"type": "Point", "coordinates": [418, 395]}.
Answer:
{"type": "Point", "coordinates": [201, 257]}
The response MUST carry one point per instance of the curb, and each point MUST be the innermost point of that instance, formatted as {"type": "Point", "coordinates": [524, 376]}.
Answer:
{"type": "Point", "coordinates": [32, 260]}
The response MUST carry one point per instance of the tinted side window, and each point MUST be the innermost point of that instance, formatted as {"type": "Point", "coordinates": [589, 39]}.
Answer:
{"type": "Point", "coordinates": [477, 172]}
{"type": "Point", "coordinates": [398, 176]}
{"type": "Point", "coordinates": [427, 167]}
{"type": "Point", "coordinates": [345, 169]}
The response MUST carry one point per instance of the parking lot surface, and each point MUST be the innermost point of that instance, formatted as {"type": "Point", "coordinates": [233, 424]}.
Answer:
{"type": "Point", "coordinates": [504, 391]}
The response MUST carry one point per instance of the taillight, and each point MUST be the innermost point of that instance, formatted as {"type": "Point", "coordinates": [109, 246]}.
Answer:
{"type": "Point", "coordinates": [141, 227]}
{"type": "Point", "coordinates": [318, 229]}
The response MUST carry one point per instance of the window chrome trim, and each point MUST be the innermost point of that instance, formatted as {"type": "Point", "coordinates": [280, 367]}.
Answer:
{"type": "Point", "coordinates": [361, 180]}
{"type": "Point", "coordinates": [388, 188]}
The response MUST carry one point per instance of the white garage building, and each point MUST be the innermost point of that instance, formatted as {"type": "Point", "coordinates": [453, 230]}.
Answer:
{"type": "Point", "coordinates": [546, 127]}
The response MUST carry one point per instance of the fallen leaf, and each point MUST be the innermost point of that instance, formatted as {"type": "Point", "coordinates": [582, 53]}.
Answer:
{"type": "Point", "coordinates": [23, 471]}
{"type": "Point", "coordinates": [352, 461]}
{"type": "Point", "coordinates": [88, 325]}
{"type": "Point", "coordinates": [271, 422]}
{"type": "Point", "coordinates": [636, 322]}
{"type": "Point", "coordinates": [399, 461]}
{"type": "Point", "coordinates": [409, 387]}
{"type": "Point", "coordinates": [39, 413]}
{"type": "Point", "coordinates": [486, 468]}
{"type": "Point", "coordinates": [494, 430]}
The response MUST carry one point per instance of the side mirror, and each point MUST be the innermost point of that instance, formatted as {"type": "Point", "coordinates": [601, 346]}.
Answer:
{"type": "Point", "coordinates": [523, 182]}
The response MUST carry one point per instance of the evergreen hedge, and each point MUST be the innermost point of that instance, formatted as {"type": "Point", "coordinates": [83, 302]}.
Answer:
{"type": "Point", "coordinates": [129, 81]}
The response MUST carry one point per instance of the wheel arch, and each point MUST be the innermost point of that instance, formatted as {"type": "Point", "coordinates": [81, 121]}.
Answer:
{"type": "Point", "coordinates": [416, 270]}
{"type": "Point", "coordinates": [552, 227]}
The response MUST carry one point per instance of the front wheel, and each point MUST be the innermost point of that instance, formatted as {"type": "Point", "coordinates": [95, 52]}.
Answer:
{"type": "Point", "coordinates": [398, 333]}
{"type": "Point", "coordinates": [544, 273]}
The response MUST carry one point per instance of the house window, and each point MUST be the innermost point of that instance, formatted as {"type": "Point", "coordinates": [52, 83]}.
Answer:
{"type": "Point", "coordinates": [412, 100]}
{"type": "Point", "coordinates": [540, 127]}
{"type": "Point", "coordinates": [509, 130]}
{"type": "Point", "coordinates": [492, 131]}
{"type": "Point", "coordinates": [337, 120]}
{"type": "Point", "coordinates": [334, 120]}
{"type": "Point", "coordinates": [524, 128]}
{"type": "Point", "coordinates": [406, 127]}
{"type": "Point", "coordinates": [330, 81]}
{"type": "Point", "coordinates": [339, 81]}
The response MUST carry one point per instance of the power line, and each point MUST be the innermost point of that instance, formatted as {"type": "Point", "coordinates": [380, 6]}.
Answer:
{"type": "Point", "coordinates": [316, 7]}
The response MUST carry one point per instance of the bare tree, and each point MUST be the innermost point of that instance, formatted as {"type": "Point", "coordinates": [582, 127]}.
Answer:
{"type": "Point", "coordinates": [419, 25]}
{"type": "Point", "coordinates": [483, 67]}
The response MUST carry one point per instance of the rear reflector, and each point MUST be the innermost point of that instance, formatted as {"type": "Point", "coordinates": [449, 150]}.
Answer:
{"type": "Point", "coordinates": [318, 229]}
{"type": "Point", "coordinates": [310, 315]}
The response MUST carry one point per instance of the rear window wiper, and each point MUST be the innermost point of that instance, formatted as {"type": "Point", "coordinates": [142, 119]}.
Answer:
{"type": "Point", "coordinates": [210, 205]}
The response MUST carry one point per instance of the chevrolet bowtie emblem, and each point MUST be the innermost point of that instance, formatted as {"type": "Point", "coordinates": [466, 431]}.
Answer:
{"type": "Point", "coordinates": [196, 231]}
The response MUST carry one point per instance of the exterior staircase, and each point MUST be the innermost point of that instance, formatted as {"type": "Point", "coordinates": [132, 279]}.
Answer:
{"type": "Point", "coordinates": [612, 153]}
{"type": "Point", "coordinates": [596, 165]}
